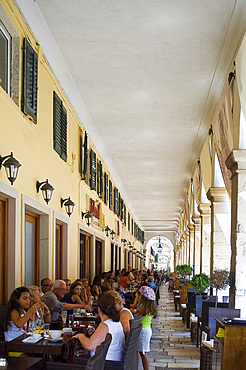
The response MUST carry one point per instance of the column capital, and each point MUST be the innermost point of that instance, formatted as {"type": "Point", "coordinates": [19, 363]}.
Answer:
{"type": "Point", "coordinates": [236, 161]}
{"type": "Point", "coordinates": [216, 195]}
{"type": "Point", "coordinates": [191, 227]}
{"type": "Point", "coordinates": [196, 220]}
{"type": "Point", "coordinates": [204, 209]}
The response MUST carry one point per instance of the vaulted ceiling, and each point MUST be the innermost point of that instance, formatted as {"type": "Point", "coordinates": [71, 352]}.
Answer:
{"type": "Point", "coordinates": [143, 77]}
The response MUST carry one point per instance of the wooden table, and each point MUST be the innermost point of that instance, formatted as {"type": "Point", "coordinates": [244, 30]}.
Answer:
{"type": "Point", "coordinates": [25, 363]}
{"type": "Point", "coordinates": [43, 347]}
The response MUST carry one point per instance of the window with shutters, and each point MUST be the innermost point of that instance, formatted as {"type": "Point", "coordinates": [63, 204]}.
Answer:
{"type": "Point", "coordinates": [59, 127]}
{"type": "Point", "coordinates": [5, 59]}
{"type": "Point", "coordinates": [84, 155]}
{"type": "Point", "coordinates": [93, 170]}
{"type": "Point", "coordinates": [110, 190]}
{"type": "Point", "coordinates": [125, 214]}
{"type": "Point", "coordinates": [105, 188]}
{"type": "Point", "coordinates": [116, 201]}
{"type": "Point", "coordinates": [129, 221]}
{"type": "Point", "coordinates": [99, 179]}
{"type": "Point", "coordinates": [30, 81]}
{"type": "Point", "coordinates": [132, 228]}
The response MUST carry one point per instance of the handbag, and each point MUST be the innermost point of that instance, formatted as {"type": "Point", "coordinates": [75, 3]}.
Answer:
{"type": "Point", "coordinates": [73, 348]}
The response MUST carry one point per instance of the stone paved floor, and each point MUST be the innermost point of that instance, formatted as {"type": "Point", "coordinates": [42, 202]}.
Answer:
{"type": "Point", "coordinates": [171, 346]}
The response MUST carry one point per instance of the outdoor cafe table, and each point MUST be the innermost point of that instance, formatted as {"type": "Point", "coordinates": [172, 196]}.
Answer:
{"type": "Point", "coordinates": [25, 363]}
{"type": "Point", "coordinates": [43, 347]}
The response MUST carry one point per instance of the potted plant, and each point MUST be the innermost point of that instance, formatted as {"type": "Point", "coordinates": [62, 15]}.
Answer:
{"type": "Point", "coordinates": [200, 283]}
{"type": "Point", "coordinates": [219, 280]}
{"type": "Point", "coordinates": [184, 270]}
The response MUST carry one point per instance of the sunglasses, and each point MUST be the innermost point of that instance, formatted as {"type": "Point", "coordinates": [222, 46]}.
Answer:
{"type": "Point", "coordinates": [68, 284]}
{"type": "Point", "coordinates": [50, 285]}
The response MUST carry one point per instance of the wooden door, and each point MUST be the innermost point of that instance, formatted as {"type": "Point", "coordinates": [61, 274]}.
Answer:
{"type": "Point", "coordinates": [58, 251]}
{"type": "Point", "coordinates": [98, 260]}
{"type": "Point", "coordinates": [85, 256]}
{"type": "Point", "coordinates": [112, 257]}
{"type": "Point", "coordinates": [119, 258]}
{"type": "Point", "coordinates": [126, 258]}
{"type": "Point", "coordinates": [115, 258]}
{"type": "Point", "coordinates": [3, 250]}
{"type": "Point", "coordinates": [32, 256]}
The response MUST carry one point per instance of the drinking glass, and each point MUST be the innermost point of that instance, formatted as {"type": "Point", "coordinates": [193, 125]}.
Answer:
{"type": "Point", "coordinates": [46, 331]}
{"type": "Point", "coordinates": [70, 321]}
{"type": "Point", "coordinates": [64, 317]}
{"type": "Point", "coordinates": [32, 327]}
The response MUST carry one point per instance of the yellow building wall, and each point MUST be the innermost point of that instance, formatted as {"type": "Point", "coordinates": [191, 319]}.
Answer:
{"type": "Point", "coordinates": [32, 145]}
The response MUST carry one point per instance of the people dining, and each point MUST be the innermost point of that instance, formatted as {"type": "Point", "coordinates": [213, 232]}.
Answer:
{"type": "Point", "coordinates": [125, 313]}
{"type": "Point", "coordinates": [110, 323]}
{"type": "Point", "coordinates": [35, 297]}
{"type": "Point", "coordinates": [68, 284]}
{"type": "Point", "coordinates": [52, 300]}
{"type": "Point", "coordinates": [73, 297]}
{"type": "Point", "coordinates": [125, 281]}
{"type": "Point", "coordinates": [18, 312]}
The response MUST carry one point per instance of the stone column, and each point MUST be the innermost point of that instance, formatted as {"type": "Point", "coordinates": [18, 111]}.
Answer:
{"type": "Point", "coordinates": [186, 246]}
{"type": "Point", "coordinates": [236, 163]}
{"type": "Point", "coordinates": [204, 210]}
{"type": "Point", "coordinates": [220, 251]}
{"type": "Point", "coordinates": [196, 251]}
{"type": "Point", "coordinates": [191, 244]}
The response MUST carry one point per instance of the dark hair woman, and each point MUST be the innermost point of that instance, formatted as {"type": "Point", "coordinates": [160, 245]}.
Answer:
{"type": "Point", "coordinates": [96, 287]}
{"type": "Point", "coordinates": [110, 323]}
{"type": "Point", "coordinates": [18, 313]}
{"type": "Point", "coordinates": [74, 297]}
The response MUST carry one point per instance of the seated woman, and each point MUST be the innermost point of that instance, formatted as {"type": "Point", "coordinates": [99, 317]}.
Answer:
{"type": "Point", "coordinates": [85, 291]}
{"type": "Point", "coordinates": [18, 313]}
{"type": "Point", "coordinates": [107, 283]}
{"type": "Point", "coordinates": [125, 313]}
{"type": "Point", "coordinates": [110, 323]}
{"type": "Point", "coordinates": [35, 298]}
{"type": "Point", "coordinates": [74, 297]}
{"type": "Point", "coordinates": [125, 281]}
{"type": "Point", "coordinates": [96, 287]}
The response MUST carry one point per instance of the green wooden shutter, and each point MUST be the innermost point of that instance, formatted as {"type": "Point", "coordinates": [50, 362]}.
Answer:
{"type": "Point", "coordinates": [116, 201]}
{"type": "Point", "coordinates": [30, 81]}
{"type": "Point", "coordinates": [59, 127]}
{"type": "Point", "coordinates": [93, 170]}
{"type": "Point", "coordinates": [129, 221]}
{"type": "Point", "coordinates": [125, 214]}
{"type": "Point", "coordinates": [105, 188]}
{"type": "Point", "coordinates": [64, 133]}
{"type": "Point", "coordinates": [132, 228]}
{"type": "Point", "coordinates": [57, 123]}
{"type": "Point", "coordinates": [99, 179]}
{"type": "Point", "coordinates": [110, 194]}
{"type": "Point", "coordinates": [84, 151]}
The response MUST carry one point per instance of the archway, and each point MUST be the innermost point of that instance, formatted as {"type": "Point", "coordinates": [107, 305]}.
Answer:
{"type": "Point", "coordinates": [159, 253]}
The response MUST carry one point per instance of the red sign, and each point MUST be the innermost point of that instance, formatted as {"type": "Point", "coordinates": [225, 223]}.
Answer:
{"type": "Point", "coordinates": [94, 210]}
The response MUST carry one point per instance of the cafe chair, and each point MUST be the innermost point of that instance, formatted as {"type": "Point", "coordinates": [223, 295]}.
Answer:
{"type": "Point", "coordinates": [93, 363]}
{"type": "Point", "coordinates": [129, 360]}
{"type": "Point", "coordinates": [104, 345]}
{"type": "Point", "coordinates": [135, 323]}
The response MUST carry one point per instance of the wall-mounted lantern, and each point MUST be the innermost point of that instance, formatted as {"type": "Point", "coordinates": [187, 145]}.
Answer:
{"type": "Point", "coordinates": [11, 166]}
{"type": "Point", "coordinates": [88, 217]}
{"type": "Point", "coordinates": [47, 190]}
{"type": "Point", "coordinates": [69, 205]}
{"type": "Point", "coordinates": [107, 230]}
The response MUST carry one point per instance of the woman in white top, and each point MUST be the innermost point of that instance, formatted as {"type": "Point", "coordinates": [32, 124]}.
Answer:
{"type": "Point", "coordinates": [110, 323]}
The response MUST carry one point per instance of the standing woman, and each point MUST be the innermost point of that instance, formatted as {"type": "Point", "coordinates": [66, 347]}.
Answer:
{"type": "Point", "coordinates": [146, 310]}
{"type": "Point", "coordinates": [35, 297]}
{"type": "Point", "coordinates": [18, 313]}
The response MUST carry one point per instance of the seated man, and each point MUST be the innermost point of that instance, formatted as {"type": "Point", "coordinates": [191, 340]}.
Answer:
{"type": "Point", "coordinates": [46, 286]}
{"type": "Point", "coordinates": [51, 299]}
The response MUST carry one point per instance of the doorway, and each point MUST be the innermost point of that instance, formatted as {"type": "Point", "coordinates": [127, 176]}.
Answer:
{"type": "Point", "coordinates": [3, 250]}
{"type": "Point", "coordinates": [85, 256]}
{"type": "Point", "coordinates": [58, 251]}
{"type": "Point", "coordinates": [32, 260]}
{"type": "Point", "coordinates": [98, 259]}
